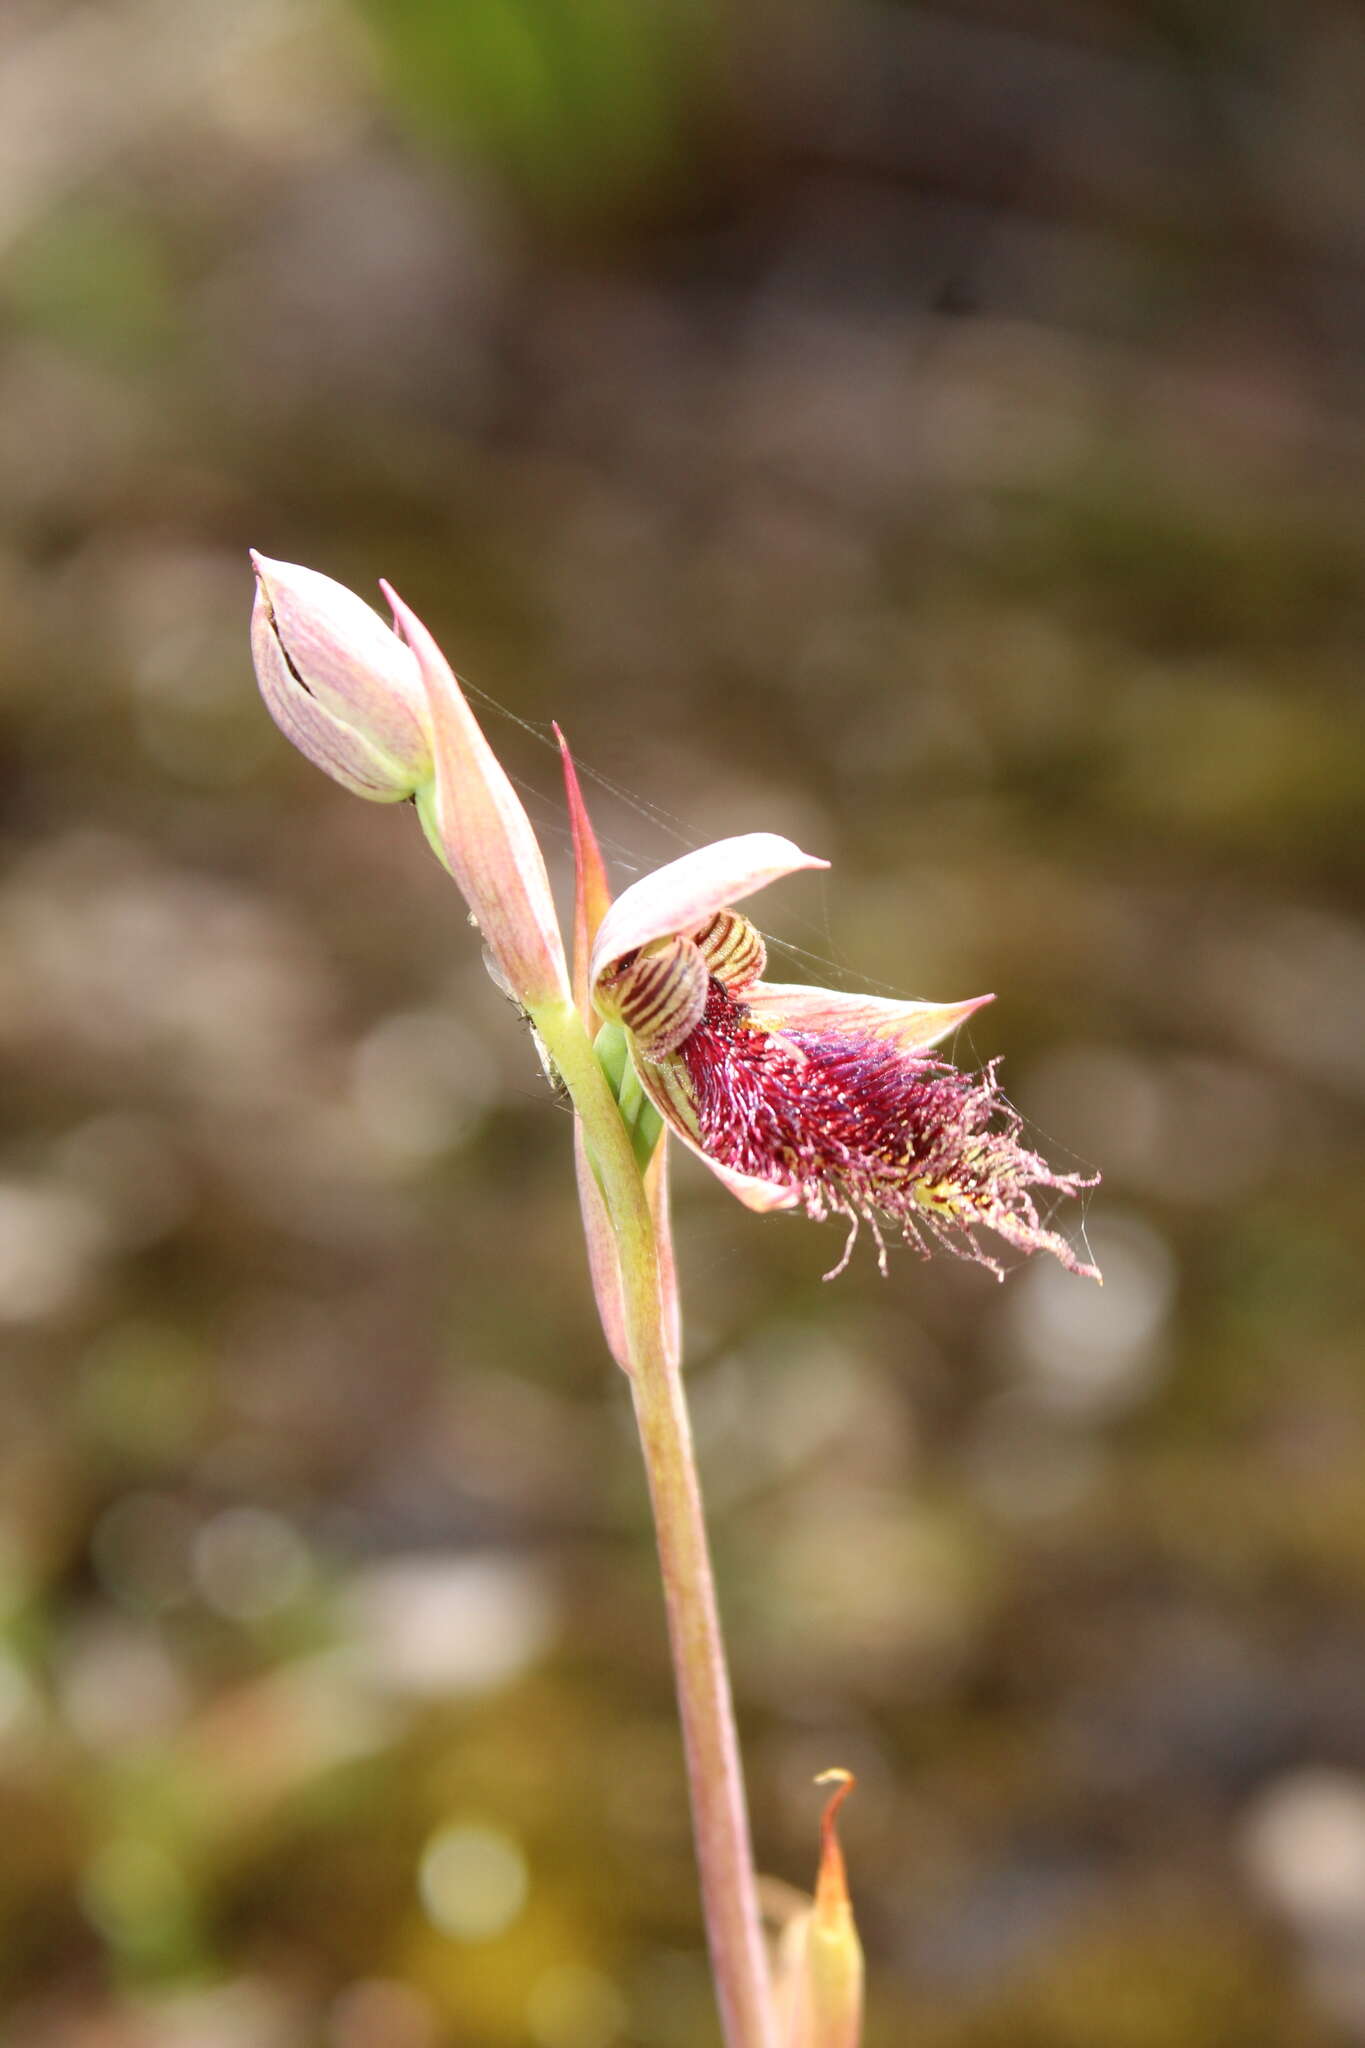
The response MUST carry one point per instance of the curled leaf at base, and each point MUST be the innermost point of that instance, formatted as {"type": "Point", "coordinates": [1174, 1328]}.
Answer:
{"type": "Point", "coordinates": [819, 1987]}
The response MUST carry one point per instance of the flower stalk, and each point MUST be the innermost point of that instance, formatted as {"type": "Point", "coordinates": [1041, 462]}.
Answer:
{"type": "Point", "coordinates": [634, 1280]}
{"type": "Point", "coordinates": [715, 1777]}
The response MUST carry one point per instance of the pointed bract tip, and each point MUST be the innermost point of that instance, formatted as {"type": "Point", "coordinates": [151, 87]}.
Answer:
{"type": "Point", "coordinates": [820, 1982]}
{"type": "Point", "coordinates": [831, 1888]}
{"type": "Point", "coordinates": [592, 890]}
{"type": "Point", "coordinates": [404, 617]}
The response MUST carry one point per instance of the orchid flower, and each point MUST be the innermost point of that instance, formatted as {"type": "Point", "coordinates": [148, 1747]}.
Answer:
{"type": "Point", "coordinates": [807, 1097]}
{"type": "Point", "coordinates": [795, 1097]}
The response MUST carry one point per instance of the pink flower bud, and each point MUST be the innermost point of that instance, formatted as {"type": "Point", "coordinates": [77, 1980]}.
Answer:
{"type": "Point", "coordinates": [339, 683]}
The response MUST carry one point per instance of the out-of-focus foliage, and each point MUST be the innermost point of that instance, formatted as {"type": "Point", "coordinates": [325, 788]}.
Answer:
{"type": "Point", "coordinates": [936, 434]}
{"type": "Point", "coordinates": [595, 107]}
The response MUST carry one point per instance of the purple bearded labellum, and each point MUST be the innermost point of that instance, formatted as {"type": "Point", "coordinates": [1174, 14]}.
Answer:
{"type": "Point", "coordinates": [806, 1097]}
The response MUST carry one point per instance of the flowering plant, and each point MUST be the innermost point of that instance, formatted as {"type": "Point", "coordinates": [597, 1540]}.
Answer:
{"type": "Point", "coordinates": [795, 1097]}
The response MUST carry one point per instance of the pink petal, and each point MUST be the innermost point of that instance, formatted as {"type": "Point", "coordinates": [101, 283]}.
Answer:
{"type": "Point", "coordinates": [667, 1086]}
{"type": "Point", "coordinates": [683, 895]}
{"type": "Point", "coordinates": [765, 1197]}
{"type": "Point", "coordinates": [487, 837]}
{"type": "Point", "coordinates": [912, 1026]}
{"type": "Point", "coordinates": [604, 1258]}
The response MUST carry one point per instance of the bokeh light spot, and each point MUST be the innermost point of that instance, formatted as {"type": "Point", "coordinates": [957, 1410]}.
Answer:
{"type": "Point", "coordinates": [1091, 1350]}
{"type": "Point", "coordinates": [249, 1563]}
{"type": "Point", "coordinates": [136, 1895]}
{"type": "Point", "coordinates": [473, 1881]}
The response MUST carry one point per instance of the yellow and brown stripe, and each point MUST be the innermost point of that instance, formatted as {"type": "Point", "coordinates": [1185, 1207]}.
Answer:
{"type": "Point", "coordinates": [659, 994]}
{"type": "Point", "coordinates": [733, 949]}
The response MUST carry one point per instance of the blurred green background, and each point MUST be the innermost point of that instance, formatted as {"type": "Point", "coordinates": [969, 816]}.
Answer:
{"type": "Point", "coordinates": [936, 433]}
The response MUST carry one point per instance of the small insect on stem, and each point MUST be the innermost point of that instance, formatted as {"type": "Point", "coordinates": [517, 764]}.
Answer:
{"type": "Point", "coordinates": [547, 1065]}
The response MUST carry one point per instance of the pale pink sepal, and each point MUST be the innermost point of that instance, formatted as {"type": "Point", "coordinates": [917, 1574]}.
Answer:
{"type": "Point", "coordinates": [660, 1208]}
{"type": "Point", "coordinates": [911, 1026]}
{"type": "Point", "coordinates": [604, 1266]}
{"type": "Point", "coordinates": [668, 1092]}
{"type": "Point", "coordinates": [492, 851]}
{"type": "Point", "coordinates": [764, 1197]}
{"type": "Point", "coordinates": [682, 896]}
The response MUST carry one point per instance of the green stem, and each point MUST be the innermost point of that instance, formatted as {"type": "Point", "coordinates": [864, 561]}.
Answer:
{"type": "Point", "coordinates": [715, 1776]}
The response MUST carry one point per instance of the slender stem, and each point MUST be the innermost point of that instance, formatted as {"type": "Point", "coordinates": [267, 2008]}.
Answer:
{"type": "Point", "coordinates": [719, 1817]}
{"type": "Point", "coordinates": [715, 1777]}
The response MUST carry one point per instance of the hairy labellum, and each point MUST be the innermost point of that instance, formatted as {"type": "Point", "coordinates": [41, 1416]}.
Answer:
{"type": "Point", "coordinates": [803, 1097]}
{"type": "Point", "coordinates": [855, 1127]}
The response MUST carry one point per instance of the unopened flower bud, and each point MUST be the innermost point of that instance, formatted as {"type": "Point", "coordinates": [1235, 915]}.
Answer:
{"type": "Point", "coordinates": [339, 683]}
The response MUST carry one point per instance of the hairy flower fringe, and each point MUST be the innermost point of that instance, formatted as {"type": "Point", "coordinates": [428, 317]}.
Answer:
{"type": "Point", "coordinates": [858, 1128]}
